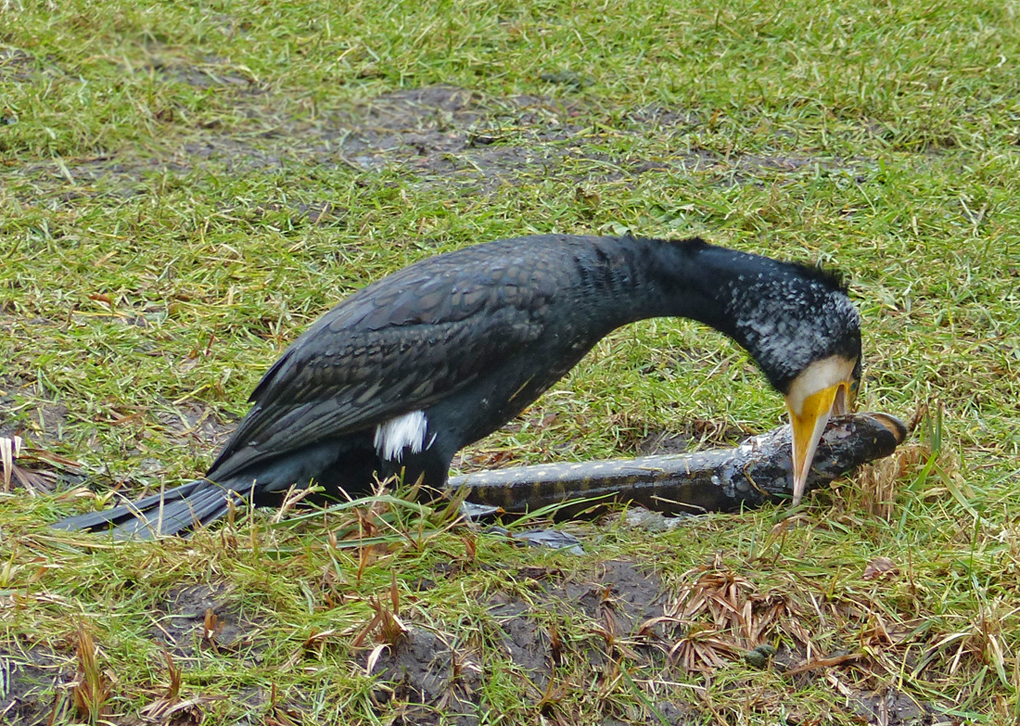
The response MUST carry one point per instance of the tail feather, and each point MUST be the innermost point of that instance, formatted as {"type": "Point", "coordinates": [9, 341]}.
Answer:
{"type": "Point", "coordinates": [166, 513]}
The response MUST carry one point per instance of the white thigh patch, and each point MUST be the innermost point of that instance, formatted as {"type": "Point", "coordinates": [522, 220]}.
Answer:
{"type": "Point", "coordinates": [407, 431]}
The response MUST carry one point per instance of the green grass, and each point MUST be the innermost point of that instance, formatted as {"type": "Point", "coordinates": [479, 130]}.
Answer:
{"type": "Point", "coordinates": [161, 170]}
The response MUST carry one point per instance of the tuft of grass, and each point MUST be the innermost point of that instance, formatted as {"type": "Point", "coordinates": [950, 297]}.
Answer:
{"type": "Point", "coordinates": [184, 188]}
{"type": "Point", "coordinates": [91, 690]}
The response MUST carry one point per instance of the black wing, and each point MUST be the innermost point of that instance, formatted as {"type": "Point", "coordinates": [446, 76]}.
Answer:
{"type": "Point", "coordinates": [397, 346]}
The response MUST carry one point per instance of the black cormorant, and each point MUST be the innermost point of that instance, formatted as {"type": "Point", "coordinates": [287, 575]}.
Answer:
{"type": "Point", "coordinates": [404, 373]}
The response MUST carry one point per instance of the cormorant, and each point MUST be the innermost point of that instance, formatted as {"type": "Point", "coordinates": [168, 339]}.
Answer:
{"type": "Point", "coordinates": [405, 372]}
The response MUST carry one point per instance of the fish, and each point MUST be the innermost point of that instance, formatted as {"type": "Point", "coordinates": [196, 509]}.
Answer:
{"type": "Point", "coordinates": [758, 471]}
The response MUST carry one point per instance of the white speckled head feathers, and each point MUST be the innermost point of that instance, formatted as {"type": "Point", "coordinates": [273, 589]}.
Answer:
{"type": "Point", "coordinates": [785, 314]}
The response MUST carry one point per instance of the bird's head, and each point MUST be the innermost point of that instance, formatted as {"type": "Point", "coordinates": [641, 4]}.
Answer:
{"type": "Point", "coordinates": [801, 328]}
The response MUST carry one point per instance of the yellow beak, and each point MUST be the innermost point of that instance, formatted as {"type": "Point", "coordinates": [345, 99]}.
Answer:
{"type": "Point", "coordinates": [808, 426]}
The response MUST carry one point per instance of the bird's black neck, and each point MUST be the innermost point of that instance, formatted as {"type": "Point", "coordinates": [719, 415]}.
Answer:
{"type": "Point", "coordinates": [770, 308]}
{"type": "Point", "coordinates": [648, 278]}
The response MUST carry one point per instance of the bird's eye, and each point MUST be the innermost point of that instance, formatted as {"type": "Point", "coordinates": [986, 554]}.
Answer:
{"type": "Point", "coordinates": [854, 386]}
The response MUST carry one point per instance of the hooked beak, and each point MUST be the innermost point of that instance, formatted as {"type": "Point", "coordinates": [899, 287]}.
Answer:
{"type": "Point", "coordinates": [808, 425]}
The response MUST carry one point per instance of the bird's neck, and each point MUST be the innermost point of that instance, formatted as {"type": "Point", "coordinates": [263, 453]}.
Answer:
{"type": "Point", "coordinates": [645, 278]}
{"type": "Point", "coordinates": [751, 299]}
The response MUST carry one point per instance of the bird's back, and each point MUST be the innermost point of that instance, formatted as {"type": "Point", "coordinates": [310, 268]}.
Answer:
{"type": "Point", "coordinates": [425, 333]}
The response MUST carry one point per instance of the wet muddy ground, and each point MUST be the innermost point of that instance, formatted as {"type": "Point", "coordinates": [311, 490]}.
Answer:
{"type": "Point", "coordinates": [441, 679]}
{"type": "Point", "coordinates": [439, 135]}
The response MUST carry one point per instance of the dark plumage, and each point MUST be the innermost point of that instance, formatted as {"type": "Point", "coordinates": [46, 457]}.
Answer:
{"type": "Point", "coordinates": [402, 374]}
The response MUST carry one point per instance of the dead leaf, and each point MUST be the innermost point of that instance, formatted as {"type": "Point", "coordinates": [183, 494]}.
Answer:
{"type": "Point", "coordinates": [881, 567]}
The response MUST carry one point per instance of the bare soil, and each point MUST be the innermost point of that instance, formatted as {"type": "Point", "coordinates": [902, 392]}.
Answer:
{"type": "Point", "coordinates": [441, 135]}
{"type": "Point", "coordinates": [33, 682]}
{"type": "Point", "coordinates": [439, 678]}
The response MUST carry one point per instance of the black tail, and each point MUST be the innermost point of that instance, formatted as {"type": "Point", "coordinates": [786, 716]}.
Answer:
{"type": "Point", "coordinates": [168, 513]}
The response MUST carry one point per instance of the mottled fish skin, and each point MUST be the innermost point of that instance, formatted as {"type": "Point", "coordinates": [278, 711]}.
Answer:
{"type": "Point", "coordinates": [718, 480]}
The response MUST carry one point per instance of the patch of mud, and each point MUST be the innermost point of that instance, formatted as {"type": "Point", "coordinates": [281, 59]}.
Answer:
{"type": "Point", "coordinates": [631, 594]}
{"type": "Point", "coordinates": [892, 708]}
{"type": "Point", "coordinates": [50, 418]}
{"type": "Point", "coordinates": [438, 136]}
{"type": "Point", "coordinates": [663, 442]}
{"type": "Point", "coordinates": [211, 73]}
{"type": "Point", "coordinates": [11, 420]}
{"type": "Point", "coordinates": [436, 679]}
{"type": "Point", "coordinates": [41, 423]}
{"type": "Point", "coordinates": [15, 65]}
{"type": "Point", "coordinates": [202, 617]}
{"type": "Point", "coordinates": [449, 133]}
{"type": "Point", "coordinates": [29, 680]}
{"type": "Point", "coordinates": [617, 600]}
{"type": "Point", "coordinates": [436, 675]}
{"type": "Point", "coordinates": [430, 109]}
{"type": "Point", "coordinates": [526, 644]}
